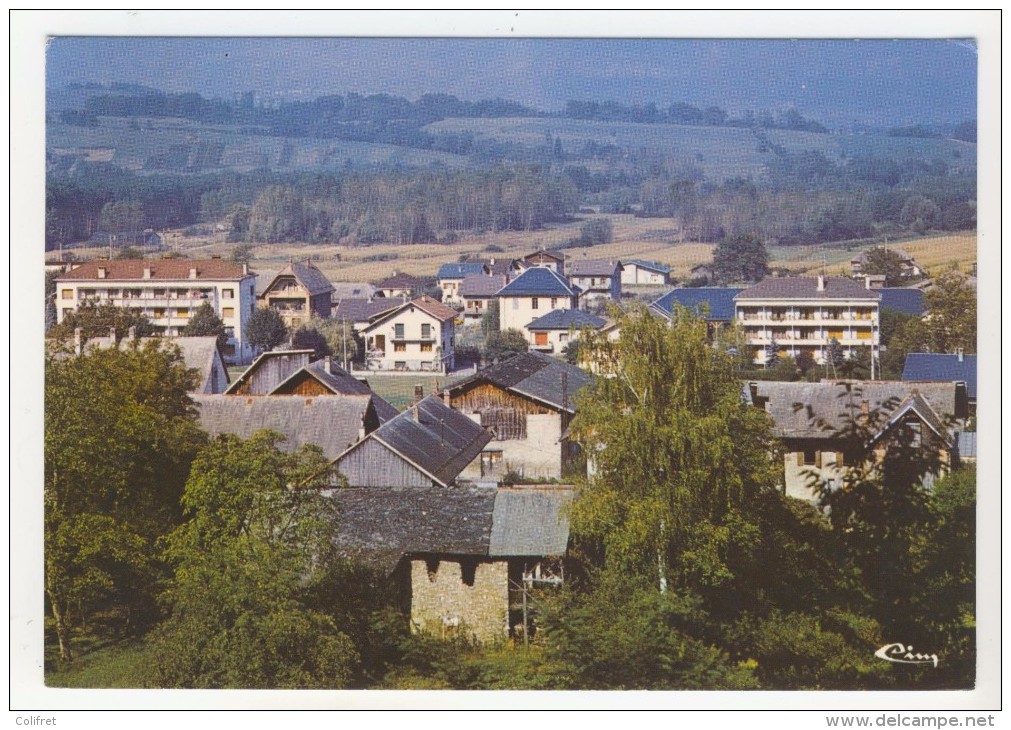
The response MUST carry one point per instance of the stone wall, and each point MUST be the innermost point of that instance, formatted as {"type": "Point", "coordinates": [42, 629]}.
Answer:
{"type": "Point", "coordinates": [443, 604]}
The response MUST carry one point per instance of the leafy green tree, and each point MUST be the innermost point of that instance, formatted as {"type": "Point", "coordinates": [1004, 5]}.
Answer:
{"type": "Point", "coordinates": [128, 253]}
{"type": "Point", "coordinates": [257, 539]}
{"type": "Point", "coordinates": [951, 314]}
{"type": "Point", "coordinates": [341, 338]}
{"type": "Point", "coordinates": [243, 253]}
{"type": "Point", "coordinates": [98, 320]}
{"type": "Point", "coordinates": [265, 329]}
{"type": "Point", "coordinates": [741, 258]}
{"type": "Point", "coordinates": [883, 261]}
{"type": "Point", "coordinates": [205, 323]}
{"type": "Point", "coordinates": [677, 456]}
{"type": "Point", "coordinates": [120, 432]}
{"type": "Point", "coordinates": [122, 216]}
{"type": "Point", "coordinates": [310, 338]}
{"type": "Point", "coordinates": [502, 345]}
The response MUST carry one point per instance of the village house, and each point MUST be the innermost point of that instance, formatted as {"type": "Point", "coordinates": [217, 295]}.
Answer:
{"type": "Point", "coordinates": [794, 315]}
{"type": "Point", "coordinates": [478, 292]}
{"type": "Point", "coordinates": [528, 402]}
{"type": "Point", "coordinates": [399, 285]}
{"type": "Point", "coordinates": [909, 266]}
{"type": "Point", "coordinates": [417, 335]}
{"type": "Point", "coordinates": [168, 292]}
{"type": "Point", "coordinates": [702, 273]}
{"type": "Point", "coordinates": [531, 295]}
{"type": "Point", "coordinates": [815, 423]}
{"type": "Point", "coordinates": [597, 280]}
{"type": "Point", "coordinates": [297, 292]}
{"type": "Point", "coordinates": [638, 272]}
{"type": "Point", "coordinates": [451, 276]}
{"type": "Point", "coordinates": [427, 445]}
{"type": "Point", "coordinates": [360, 313]}
{"type": "Point", "coordinates": [553, 332]}
{"type": "Point", "coordinates": [553, 260]}
{"type": "Point", "coordinates": [268, 370]}
{"type": "Point", "coordinates": [508, 268]}
{"type": "Point", "coordinates": [460, 559]}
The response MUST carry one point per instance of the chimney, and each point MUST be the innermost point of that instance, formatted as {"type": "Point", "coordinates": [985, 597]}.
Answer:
{"type": "Point", "coordinates": [419, 392]}
{"type": "Point", "coordinates": [445, 397]}
{"type": "Point", "coordinates": [961, 354]}
{"type": "Point", "coordinates": [328, 365]}
{"type": "Point", "coordinates": [245, 268]}
{"type": "Point", "coordinates": [414, 414]}
{"type": "Point", "coordinates": [193, 273]}
{"type": "Point", "coordinates": [492, 261]}
{"type": "Point", "coordinates": [101, 272]}
{"type": "Point", "coordinates": [78, 340]}
{"type": "Point", "coordinates": [147, 272]}
{"type": "Point", "coordinates": [821, 282]}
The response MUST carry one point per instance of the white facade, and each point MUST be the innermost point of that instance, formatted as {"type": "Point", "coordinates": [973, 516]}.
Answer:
{"type": "Point", "coordinates": [411, 339]}
{"type": "Point", "coordinates": [516, 312]}
{"type": "Point", "coordinates": [167, 292]}
{"type": "Point", "coordinates": [634, 273]}
{"type": "Point", "coordinates": [595, 288]}
{"type": "Point", "coordinates": [794, 326]}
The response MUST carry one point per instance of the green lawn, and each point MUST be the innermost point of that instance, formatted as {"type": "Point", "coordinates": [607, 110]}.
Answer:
{"type": "Point", "coordinates": [399, 389]}
{"type": "Point", "coordinates": [121, 664]}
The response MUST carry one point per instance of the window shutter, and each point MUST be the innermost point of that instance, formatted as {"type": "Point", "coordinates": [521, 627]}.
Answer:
{"type": "Point", "coordinates": [817, 459]}
{"type": "Point", "coordinates": [800, 458]}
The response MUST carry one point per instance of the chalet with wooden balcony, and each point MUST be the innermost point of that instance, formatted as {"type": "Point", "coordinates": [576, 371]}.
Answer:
{"type": "Point", "coordinates": [298, 292]}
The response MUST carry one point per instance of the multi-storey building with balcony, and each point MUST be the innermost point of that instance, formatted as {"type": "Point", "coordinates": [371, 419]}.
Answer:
{"type": "Point", "coordinates": [792, 315]}
{"type": "Point", "coordinates": [531, 295]}
{"type": "Point", "coordinates": [168, 292]}
{"type": "Point", "coordinates": [298, 292]}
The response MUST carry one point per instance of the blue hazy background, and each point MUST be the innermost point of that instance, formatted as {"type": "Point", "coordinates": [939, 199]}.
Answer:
{"type": "Point", "coordinates": [835, 82]}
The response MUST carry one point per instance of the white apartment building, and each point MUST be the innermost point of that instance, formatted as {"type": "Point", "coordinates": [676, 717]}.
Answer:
{"type": "Point", "coordinates": [791, 315]}
{"type": "Point", "coordinates": [168, 292]}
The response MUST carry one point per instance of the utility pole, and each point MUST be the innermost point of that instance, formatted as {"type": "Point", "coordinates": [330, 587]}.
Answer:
{"type": "Point", "coordinates": [526, 629]}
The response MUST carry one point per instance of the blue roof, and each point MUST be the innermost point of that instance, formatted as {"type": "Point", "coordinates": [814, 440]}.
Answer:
{"type": "Point", "coordinates": [649, 265]}
{"type": "Point", "coordinates": [938, 366]}
{"type": "Point", "coordinates": [459, 271]}
{"type": "Point", "coordinates": [907, 301]}
{"type": "Point", "coordinates": [538, 282]}
{"type": "Point", "coordinates": [563, 319]}
{"type": "Point", "coordinates": [719, 298]}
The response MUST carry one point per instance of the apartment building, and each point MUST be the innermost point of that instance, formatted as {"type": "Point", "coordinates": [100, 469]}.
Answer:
{"type": "Point", "coordinates": [790, 315]}
{"type": "Point", "coordinates": [168, 292]}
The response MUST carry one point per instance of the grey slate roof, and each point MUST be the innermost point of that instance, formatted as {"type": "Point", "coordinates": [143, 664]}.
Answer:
{"type": "Point", "coordinates": [530, 521]}
{"type": "Point", "coordinates": [592, 267]}
{"type": "Point", "coordinates": [310, 277]}
{"type": "Point", "coordinates": [479, 285]}
{"type": "Point", "coordinates": [720, 300]}
{"type": "Point", "coordinates": [796, 407]}
{"type": "Point", "coordinates": [199, 353]}
{"type": "Point", "coordinates": [534, 375]}
{"type": "Point", "coordinates": [339, 382]}
{"type": "Point", "coordinates": [460, 271]}
{"type": "Point", "coordinates": [497, 266]}
{"type": "Point", "coordinates": [916, 403]}
{"type": "Point", "coordinates": [364, 310]}
{"type": "Point", "coordinates": [381, 525]}
{"type": "Point", "coordinates": [806, 287]}
{"type": "Point", "coordinates": [435, 438]}
{"type": "Point", "coordinates": [263, 280]}
{"type": "Point", "coordinates": [351, 290]}
{"type": "Point", "coordinates": [907, 301]}
{"type": "Point", "coordinates": [399, 281]}
{"type": "Point", "coordinates": [942, 367]}
{"type": "Point", "coordinates": [563, 319]}
{"type": "Point", "coordinates": [330, 422]}
{"type": "Point", "coordinates": [539, 281]}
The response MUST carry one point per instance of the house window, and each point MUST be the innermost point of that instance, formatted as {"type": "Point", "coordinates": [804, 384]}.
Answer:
{"type": "Point", "coordinates": [809, 457]}
{"type": "Point", "coordinates": [554, 302]}
{"type": "Point", "coordinates": [563, 336]}
{"type": "Point", "coordinates": [183, 312]}
{"type": "Point", "coordinates": [399, 347]}
{"type": "Point", "coordinates": [400, 365]}
{"type": "Point", "coordinates": [534, 303]}
{"type": "Point", "coordinates": [426, 346]}
{"type": "Point", "coordinates": [67, 294]}
{"type": "Point", "coordinates": [540, 338]}
{"type": "Point", "coordinates": [398, 331]}
{"type": "Point", "coordinates": [516, 303]}
{"type": "Point", "coordinates": [426, 330]}
{"type": "Point", "coordinates": [228, 294]}
{"type": "Point", "coordinates": [915, 438]}
{"type": "Point", "coordinates": [227, 312]}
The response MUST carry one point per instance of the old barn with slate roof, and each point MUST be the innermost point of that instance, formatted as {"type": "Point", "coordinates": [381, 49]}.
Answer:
{"type": "Point", "coordinates": [331, 422]}
{"type": "Point", "coordinates": [528, 402]}
{"type": "Point", "coordinates": [268, 371]}
{"type": "Point", "coordinates": [811, 421]}
{"type": "Point", "coordinates": [459, 557]}
{"type": "Point", "coordinates": [429, 444]}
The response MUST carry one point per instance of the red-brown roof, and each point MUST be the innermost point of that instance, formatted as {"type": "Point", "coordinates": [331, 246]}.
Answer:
{"type": "Point", "coordinates": [437, 309]}
{"type": "Point", "coordinates": [161, 270]}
